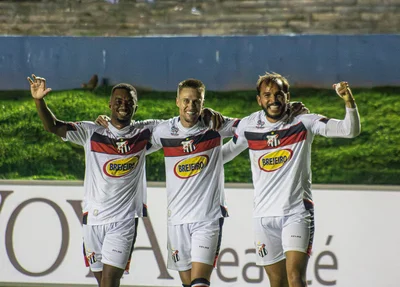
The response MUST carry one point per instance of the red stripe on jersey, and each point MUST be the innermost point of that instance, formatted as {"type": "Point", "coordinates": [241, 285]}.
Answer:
{"type": "Point", "coordinates": [110, 149]}
{"type": "Point", "coordinates": [200, 147]}
{"type": "Point", "coordinates": [103, 148]}
{"type": "Point", "coordinates": [263, 144]}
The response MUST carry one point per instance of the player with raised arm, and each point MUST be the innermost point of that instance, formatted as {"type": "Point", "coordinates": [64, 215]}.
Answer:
{"type": "Point", "coordinates": [280, 156]}
{"type": "Point", "coordinates": [114, 184]}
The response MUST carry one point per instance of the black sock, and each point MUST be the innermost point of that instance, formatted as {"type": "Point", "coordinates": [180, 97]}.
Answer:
{"type": "Point", "coordinates": [200, 282]}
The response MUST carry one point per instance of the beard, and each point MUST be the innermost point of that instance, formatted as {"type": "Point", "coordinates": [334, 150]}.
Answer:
{"type": "Point", "coordinates": [275, 116]}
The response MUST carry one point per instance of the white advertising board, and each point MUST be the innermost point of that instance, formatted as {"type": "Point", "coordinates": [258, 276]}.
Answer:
{"type": "Point", "coordinates": [357, 241]}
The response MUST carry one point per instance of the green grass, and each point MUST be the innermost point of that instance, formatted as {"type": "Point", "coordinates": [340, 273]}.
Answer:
{"type": "Point", "coordinates": [28, 152]}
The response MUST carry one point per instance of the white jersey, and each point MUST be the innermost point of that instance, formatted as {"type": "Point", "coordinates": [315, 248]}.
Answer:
{"type": "Point", "coordinates": [194, 169]}
{"type": "Point", "coordinates": [115, 184]}
{"type": "Point", "coordinates": [280, 156]}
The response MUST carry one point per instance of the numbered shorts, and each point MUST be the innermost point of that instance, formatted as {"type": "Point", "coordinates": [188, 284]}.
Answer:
{"type": "Point", "coordinates": [193, 242]}
{"type": "Point", "coordinates": [273, 236]}
{"type": "Point", "coordinates": [110, 244]}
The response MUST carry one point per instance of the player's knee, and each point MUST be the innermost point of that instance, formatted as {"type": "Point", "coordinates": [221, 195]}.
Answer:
{"type": "Point", "coordinates": [295, 277]}
{"type": "Point", "coordinates": [200, 282]}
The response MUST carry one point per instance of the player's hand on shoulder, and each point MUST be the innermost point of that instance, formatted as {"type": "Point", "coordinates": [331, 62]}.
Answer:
{"type": "Point", "coordinates": [212, 118]}
{"type": "Point", "coordinates": [295, 109]}
{"type": "Point", "coordinates": [38, 87]}
{"type": "Point", "coordinates": [102, 120]}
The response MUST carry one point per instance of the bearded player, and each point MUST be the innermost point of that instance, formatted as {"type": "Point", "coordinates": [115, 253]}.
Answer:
{"type": "Point", "coordinates": [280, 156]}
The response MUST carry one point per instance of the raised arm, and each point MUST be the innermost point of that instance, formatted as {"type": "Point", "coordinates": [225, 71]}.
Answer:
{"type": "Point", "coordinates": [50, 122]}
{"type": "Point", "coordinates": [350, 126]}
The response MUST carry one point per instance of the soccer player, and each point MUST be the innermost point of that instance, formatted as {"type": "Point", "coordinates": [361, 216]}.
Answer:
{"type": "Point", "coordinates": [194, 180]}
{"type": "Point", "coordinates": [114, 178]}
{"type": "Point", "coordinates": [280, 155]}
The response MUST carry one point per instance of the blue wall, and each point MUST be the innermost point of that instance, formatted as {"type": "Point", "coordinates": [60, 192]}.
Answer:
{"type": "Point", "coordinates": [222, 63]}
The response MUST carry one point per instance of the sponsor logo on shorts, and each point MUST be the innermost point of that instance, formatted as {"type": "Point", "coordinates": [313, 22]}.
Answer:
{"type": "Point", "coordinates": [120, 167]}
{"type": "Point", "coordinates": [204, 247]}
{"type": "Point", "coordinates": [191, 166]}
{"type": "Point", "coordinates": [175, 255]}
{"type": "Point", "coordinates": [262, 251]}
{"type": "Point", "coordinates": [274, 160]}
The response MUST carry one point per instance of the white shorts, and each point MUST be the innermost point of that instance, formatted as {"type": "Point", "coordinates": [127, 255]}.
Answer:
{"type": "Point", "coordinates": [194, 242]}
{"type": "Point", "coordinates": [110, 244]}
{"type": "Point", "coordinates": [273, 236]}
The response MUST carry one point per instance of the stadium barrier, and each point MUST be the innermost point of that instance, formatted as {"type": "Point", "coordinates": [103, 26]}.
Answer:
{"type": "Point", "coordinates": [356, 242]}
{"type": "Point", "coordinates": [221, 62]}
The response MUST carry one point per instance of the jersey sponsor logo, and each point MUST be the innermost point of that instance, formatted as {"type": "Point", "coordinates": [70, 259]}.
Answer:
{"type": "Point", "coordinates": [274, 160]}
{"type": "Point", "coordinates": [121, 166]}
{"type": "Point", "coordinates": [174, 131]}
{"type": "Point", "coordinates": [191, 166]}
{"type": "Point", "coordinates": [260, 124]}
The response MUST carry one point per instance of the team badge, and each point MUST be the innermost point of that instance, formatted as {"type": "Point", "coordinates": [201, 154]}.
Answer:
{"type": "Point", "coordinates": [272, 140]}
{"type": "Point", "coordinates": [188, 145]}
{"type": "Point", "coordinates": [123, 146]}
{"type": "Point", "coordinates": [175, 255]}
{"type": "Point", "coordinates": [262, 251]}
{"type": "Point", "coordinates": [90, 256]}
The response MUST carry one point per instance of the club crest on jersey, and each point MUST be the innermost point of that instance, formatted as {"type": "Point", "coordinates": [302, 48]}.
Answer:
{"type": "Point", "coordinates": [188, 145]}
{"type": "Point", "coordinates": [274, 160]}
{"type": "Point", "coordinates": [272, 140]}
{"type": "Point", "coordinates": [175, 255]}
{"type": "Point", "coordinates": [260, 124]}
{"type": "Point", "coordinates": [191, 166]}
{"type": "Point", "coordinates": [262, 251]}
{"type": "Point", "coordinates": [123, 146]}
{"type": "Point", "coordinates": [120, 166]}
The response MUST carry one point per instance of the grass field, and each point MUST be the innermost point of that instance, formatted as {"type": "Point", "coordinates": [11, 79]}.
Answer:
{"type": "Point", "coordinates": [28, 152]}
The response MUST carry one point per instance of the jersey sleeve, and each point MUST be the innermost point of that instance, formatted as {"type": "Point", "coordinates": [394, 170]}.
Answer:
{"type": "Point", "coordinates": [229, 127]}
{"type": "Point", "coordinates": [155, 142]}
{"type": "Point", "coordinates": [349, 127]}
{"type": "Point", "coordinates": [237, 144]}
{"type": "Point", "coordinates": [80, 132]}
{"type": "Point", "coordinates": [150, 124]}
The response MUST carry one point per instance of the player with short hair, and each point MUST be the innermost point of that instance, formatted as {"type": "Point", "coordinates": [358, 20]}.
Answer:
{"type": "Point", "coordinates": [194, 179]}
{"type": "Point", "coordinates": [114, 181]}
{"type": "Point", "coordinates": [280, 156]}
